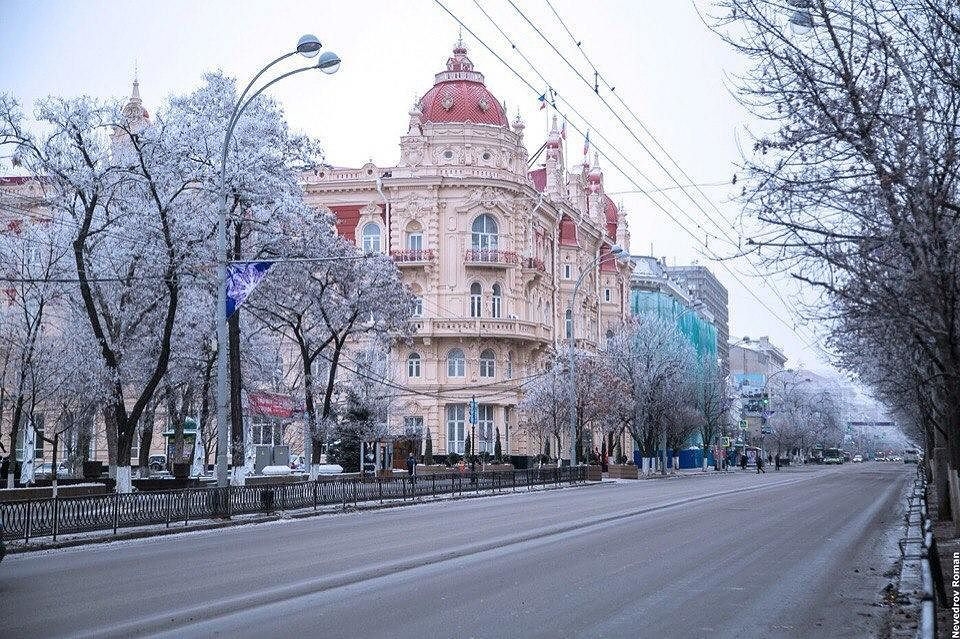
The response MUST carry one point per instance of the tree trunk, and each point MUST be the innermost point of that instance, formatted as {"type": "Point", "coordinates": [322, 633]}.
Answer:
{"type": "Point", "coordinates": [110, 431]}
{"type": "Point", "coordinates": [14, 432]}
{"type": "Point", "coordinates": [146, 437]}
{"type": "Point", "coordinates": [124, 445]}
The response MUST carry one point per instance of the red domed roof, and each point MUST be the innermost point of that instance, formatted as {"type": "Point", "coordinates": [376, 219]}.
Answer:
{"type": "Point", "coordinates": [612, 213]}
{"type": "Point", "coordinates": [460, 95]}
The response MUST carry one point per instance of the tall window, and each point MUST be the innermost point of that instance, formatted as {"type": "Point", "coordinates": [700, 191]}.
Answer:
{"type": "Point", "coordinates": [509, 364]}
{"type": "Point", "coordinates": [456, 363]}
{"type": "Point", "coordinates": [415, 241]}
{"type": "Point", "coordinates": [484, 233]}
{"type": "Point", "coordinates": [456, 420]}
{"type": "Point", "coordinates": [413, 426]}
{"type": "Point", "coordinates": [413, 365]}
{"type": "Point", "coordinates": [371, 238]}
{"type": "Point", "coordinates": [485, 442]}
{"type": "Point", "coordinates": [567, 272]}
{"type": "Point", "coordinates": [496, 303]}
{"type": "Point", "coordinates": [418, 306]}
{"type": "Point", "coordinates": [266, 430]}
{"type": "Point", "coordinates": [569, 323]}
{"type": "Point", "coordinates": [606, 294]}
{"type": "Point", "coordinates": [488, 363]}
{"type": "Point", "coordinates": [476, 299]}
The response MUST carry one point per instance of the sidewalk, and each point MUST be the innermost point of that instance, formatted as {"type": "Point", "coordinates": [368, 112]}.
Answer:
{"type": "Point", "coordinates": [198, 525]}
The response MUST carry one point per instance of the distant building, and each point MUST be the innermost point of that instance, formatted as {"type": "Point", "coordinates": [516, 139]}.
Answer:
{"type": "Point", "coordinates": [752, 362]}
{"type": "Point", "coordinates": [705, 287]}
{"type": "Point", "coordinates": [654, 290]}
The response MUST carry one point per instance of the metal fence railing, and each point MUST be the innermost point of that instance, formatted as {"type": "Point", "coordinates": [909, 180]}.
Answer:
{"type": "Point", "coordinates": [66, 515]}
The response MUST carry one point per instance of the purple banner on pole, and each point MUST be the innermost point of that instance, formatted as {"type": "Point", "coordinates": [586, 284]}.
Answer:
{"type": "Point", "coordinates": [242, 278]}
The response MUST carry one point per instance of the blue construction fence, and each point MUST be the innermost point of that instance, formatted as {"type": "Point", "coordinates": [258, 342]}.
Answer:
{"type": "Point", "coordinates": [689, 458]}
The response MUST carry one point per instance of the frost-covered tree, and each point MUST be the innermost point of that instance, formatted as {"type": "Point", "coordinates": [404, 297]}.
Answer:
{"type": "Point", "coordinates": [654, 363]}
{"type": "Point", "coordinates": [325, 308]}
{"type": "Point", "coordinates": [713, 403]}
{"type": "Point", "coordinates": [853, 184]}
{"type": "Point", "coordinates": [545, 409]}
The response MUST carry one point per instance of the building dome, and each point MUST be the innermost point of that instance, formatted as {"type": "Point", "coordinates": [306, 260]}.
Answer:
{"type": "Point", "coordinates": [611, 215]}
{"type": "Point", "coordinates": [460, 95]}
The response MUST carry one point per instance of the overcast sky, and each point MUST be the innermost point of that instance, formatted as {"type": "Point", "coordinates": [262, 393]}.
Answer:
{"type": "Point", "coordinates": [668, 68]}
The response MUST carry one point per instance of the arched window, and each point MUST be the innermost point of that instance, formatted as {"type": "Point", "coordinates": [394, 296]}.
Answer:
{"type": "Point", "coordinates": [370, 238]}
{"type": "Point", "coordinates": [484, 233]}
{"type": "Point", "coordinates": [487, 363]}
{"type": "Point", "coordinates": [414, 236]}
{"type": "Point", "coordinates": [413, 365]}
{"type": "Point", "coordinates": [569, 323]}
{"type": "Point", "coordinates": [496, 302]}
{"type": "Point", "coordinates": [456, 363]}
{"type": "Point", "coordinates": [609, 336]}
{"type": "Point", "coordinates": [476, 299]}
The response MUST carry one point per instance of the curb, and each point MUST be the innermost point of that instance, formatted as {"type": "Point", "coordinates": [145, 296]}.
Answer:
{"type": "Point", "coordinates": [17, 549]}
{"type": "Point", "coordinates": [915, 586]}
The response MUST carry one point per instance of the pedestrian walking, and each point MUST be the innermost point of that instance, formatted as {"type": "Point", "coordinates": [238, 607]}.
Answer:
{"type": "Point", "coordinates": [776, 461]}
{"type": "Point", "coordinates": [743, 461]}
{"type": "Point", "coordinates": [412, 467]}
{"type": "Point", "coordinates": [760, 463]}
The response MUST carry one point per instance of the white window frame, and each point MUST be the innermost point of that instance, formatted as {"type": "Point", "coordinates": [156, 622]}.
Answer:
{"type": "Point", "coordinates": [496, 302]}
{"type": "Point", "coordinates": [456, 366]}
{"type": "Point", "coordinates": [418, 306]}
{"type": "Point", "coordinates": [456, 427]}
{"type": "Point", "coordinates": [484, 233]}
{"type": "Point", "coordinates": [369, 242]}
{"type": "Point", "coordinates": [567, 272]}
{"type": "Point", "coordinates": [413, 365]}
{"type": "Point", "coordinates": [485, 439]}
{"type": "Point", "coordinates": [476, 300]}
{"type": "Point", "coordinates": [488, 365]}
{"type": "Point", "coordinates": [568, 323]}
{"type": "Point", "coordinates": [415, 241]}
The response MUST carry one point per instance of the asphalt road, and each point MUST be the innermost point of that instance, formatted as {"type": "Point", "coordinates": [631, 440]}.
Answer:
{"type": "Point", "coordinates": [796, 554]}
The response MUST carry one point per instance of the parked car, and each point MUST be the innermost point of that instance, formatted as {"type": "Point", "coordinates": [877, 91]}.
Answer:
{"type": "Point", "coordinates": [911, 456]}
{"type": "Point", "coordinates": [857, 459]}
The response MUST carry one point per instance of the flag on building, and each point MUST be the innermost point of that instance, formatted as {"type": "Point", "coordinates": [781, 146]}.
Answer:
{"type": "Point", "coordinates": [563, 130]}
{"type": "Point", "coordinates": [543, 101]}
{"type": "Point", "coordinates": [242, 278]}
{"type": "Point", "coordinates": [586, 144]}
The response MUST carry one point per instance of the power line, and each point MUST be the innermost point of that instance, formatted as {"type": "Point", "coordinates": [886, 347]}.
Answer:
{"type": "Point", "coordinates": [556, 96]}
{"type": "Point", "coordinates": [653, 156]}
{"type": "Point", "coordinates": [533, 89]}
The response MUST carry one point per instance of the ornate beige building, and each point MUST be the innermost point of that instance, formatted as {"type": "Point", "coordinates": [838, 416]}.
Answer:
{"type": "Point", "coordinates": [492, 250]}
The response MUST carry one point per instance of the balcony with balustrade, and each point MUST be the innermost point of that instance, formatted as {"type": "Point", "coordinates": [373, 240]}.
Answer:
{"type": "Point", "coordinates": [490, 258]}
{"type": "Point", "coordinates": [405, 258]}
{"type": "Point", "coordinates": [498, 328]}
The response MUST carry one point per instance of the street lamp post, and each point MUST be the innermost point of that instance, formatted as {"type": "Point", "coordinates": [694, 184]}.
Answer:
{"type": "Point", "coordinates": [308, 46]}
{"type": "Point", "coordinates": [614, 252]}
